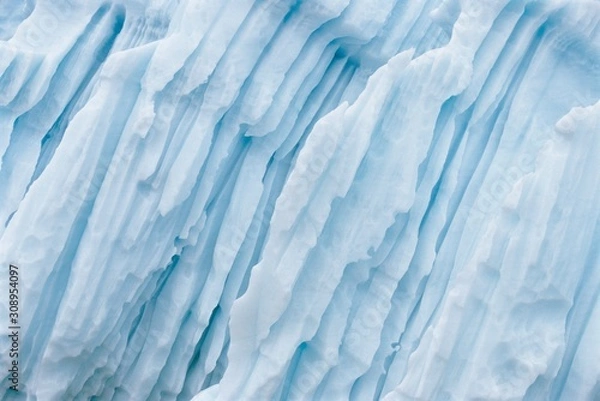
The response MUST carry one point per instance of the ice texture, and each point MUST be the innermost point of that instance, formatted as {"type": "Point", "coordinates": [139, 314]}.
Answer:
{"type": "Point", "coordinates": [301, 200]}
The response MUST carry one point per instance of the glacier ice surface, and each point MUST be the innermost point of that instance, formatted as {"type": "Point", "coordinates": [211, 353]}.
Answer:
{"type": "Point", "coordinates": [301, 200]}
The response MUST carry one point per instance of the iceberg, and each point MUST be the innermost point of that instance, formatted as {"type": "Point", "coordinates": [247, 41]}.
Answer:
{"type": "Point", "coordinates": [231, 200]}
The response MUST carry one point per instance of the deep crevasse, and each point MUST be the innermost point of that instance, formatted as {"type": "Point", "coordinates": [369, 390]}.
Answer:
{"type": "Point", "coordinates": [324, 200]}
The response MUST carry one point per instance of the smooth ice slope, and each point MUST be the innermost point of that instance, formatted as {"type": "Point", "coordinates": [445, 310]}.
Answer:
{"type": "Point", "coordinates": [302, 200]}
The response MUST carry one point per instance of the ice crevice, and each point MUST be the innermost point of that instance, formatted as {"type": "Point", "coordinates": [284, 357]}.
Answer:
{"type": "Point", "coordinates": [302, 200]}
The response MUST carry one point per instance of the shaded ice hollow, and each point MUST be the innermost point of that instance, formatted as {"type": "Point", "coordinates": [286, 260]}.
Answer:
{"type": "Point", "coordinates": [301, 200]}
